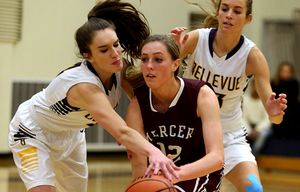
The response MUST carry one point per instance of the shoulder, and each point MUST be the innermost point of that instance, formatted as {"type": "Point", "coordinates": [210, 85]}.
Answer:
{"type": "Point", "coordinates": [248, 42]}
{"type": "Point", "coordinates": [193, 37]}
{"type": "Point", "coordinates": [206, 91]}
{"type": "Point", "coordinates": [133, 104]}
{"type": "Point", "coordinates": [256, 61]}
{"type": "Point", "coordinates": [142, 93]}
{"type": "Point", "coordinates": [198, 87]}
{"type": "Point", "coordinates": [195, 34]}
{"type": "Point", "coordinates": [255, 54]}
{"type": "Point", "coordinates": [193, 83]}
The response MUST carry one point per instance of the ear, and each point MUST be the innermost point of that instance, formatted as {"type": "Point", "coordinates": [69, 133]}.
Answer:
{"type": "Point", "coordinates": [249, 19]}
{"type": "Point", "coordinates": [176, 64]}
{"type": "Point", "coordinates": [87, 56]}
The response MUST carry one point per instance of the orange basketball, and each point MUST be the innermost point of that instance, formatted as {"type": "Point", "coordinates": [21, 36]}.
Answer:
{"type": "Point", "coordinates": [151, 183]}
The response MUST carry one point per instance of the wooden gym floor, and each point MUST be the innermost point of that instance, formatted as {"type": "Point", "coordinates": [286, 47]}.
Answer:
{"type": "Point", "coordinates": [111, 173]}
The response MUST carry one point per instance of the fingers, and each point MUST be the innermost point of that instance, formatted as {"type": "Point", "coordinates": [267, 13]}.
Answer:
{"type": "Point", "coordinates": [149, 169]}
{"type": "Point", "coordinates": [283, 101]}
{"type": "Point", "coordinates": [272, 97]}
{"type": "Point", "coordinates": [282, 95]}
{"type": "Point", "coordinates": [176, 33]}
{"type": "Point", "coordinates": [172, 168]}
{"type": "Point", "coordinates": [178, 30]}
{"type": "Point", "coordinates": [167, 169]}
{"type": "Point", "coordinates": [168, 173]}
{"type": "Point", "coordinates": [185, 38]}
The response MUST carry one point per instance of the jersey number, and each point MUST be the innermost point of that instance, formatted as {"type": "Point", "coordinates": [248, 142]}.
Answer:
{"type": "Point", "coordinates": [219, 96]}
{"type": "Point", "coordinates": [173, 151]}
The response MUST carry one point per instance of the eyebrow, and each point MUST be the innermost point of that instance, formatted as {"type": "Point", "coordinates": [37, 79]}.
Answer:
{"type": "Point", "coordinates": [224, 4]}
{"type": "Point", "coordinates": [155, 53]}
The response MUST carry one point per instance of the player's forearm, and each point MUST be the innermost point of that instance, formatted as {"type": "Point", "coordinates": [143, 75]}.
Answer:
{"type": "Point", "coordinates": [210, 163]}
{"type": "Point", "coordinates": [135, 142]}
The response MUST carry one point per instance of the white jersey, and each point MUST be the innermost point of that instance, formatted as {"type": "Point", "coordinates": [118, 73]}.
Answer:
{"type": "Point", "coordinates": [50, 108]}
{"type": "Point", "coordinates": [225, 75]}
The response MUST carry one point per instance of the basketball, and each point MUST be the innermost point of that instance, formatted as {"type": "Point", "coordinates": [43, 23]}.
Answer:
{"type": "Point", "coordinates": [151, 183]}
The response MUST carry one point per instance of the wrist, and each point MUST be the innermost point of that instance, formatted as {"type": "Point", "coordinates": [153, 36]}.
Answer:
{"type": "Point", "coordinates": [276, 119]}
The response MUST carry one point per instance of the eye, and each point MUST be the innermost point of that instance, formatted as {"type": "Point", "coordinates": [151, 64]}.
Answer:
{"type": "Point", "coordinates": [116, 44]}
{"type": "Point", "coordinates": [158, 60]}
{"type": "Point", "coordinates": [224, 9]}
{"type": "Point", "coordinates": [144, 59]}
{"type": "Point", "coordinates": [103, 50]}
{"type": "Point", "coordinates": [237, 12]}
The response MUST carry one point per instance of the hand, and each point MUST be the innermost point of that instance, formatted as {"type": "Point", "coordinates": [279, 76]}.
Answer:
{"type": "Point", "coordinates": [276, 106]}
{"type": "Point", "coordinates": [158, 162]}
{"type": "Point", "coordinates": [176, 34]}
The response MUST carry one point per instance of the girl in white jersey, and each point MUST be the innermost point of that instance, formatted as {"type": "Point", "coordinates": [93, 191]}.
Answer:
{"type": "Point", "coordinates": [226, 59]}
{"type": "Point", "coordinates": [46, 136]}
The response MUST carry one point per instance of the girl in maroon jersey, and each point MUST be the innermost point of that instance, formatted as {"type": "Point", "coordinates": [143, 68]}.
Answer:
{"type": "Point", "coordinates": [179, 116]}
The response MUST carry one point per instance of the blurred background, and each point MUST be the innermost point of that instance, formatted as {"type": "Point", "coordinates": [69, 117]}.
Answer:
{"type": "Point", "coordinates": [37, 42]}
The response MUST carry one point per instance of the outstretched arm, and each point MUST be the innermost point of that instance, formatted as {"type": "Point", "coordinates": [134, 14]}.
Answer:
{"type": "Point", "coordinates": [258, 67]}
{"type": "Point", "coordinates": [91, 98]}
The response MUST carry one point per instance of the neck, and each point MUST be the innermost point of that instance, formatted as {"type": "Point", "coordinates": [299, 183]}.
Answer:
{"type": "Point", "coordinates": [106, 78]}
{"type": "Point", "coordinates": [163, 96]}
{"type": "Point", "coordinates": [224, 43]}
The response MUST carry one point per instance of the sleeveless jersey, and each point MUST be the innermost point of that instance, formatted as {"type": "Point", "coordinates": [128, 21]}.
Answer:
{"type": "Point", "coordinates": [178, 132]}
{"type": "Point", "coordinates": [225, 75]}
{"type": "Point", "coordinates": [50, 108]}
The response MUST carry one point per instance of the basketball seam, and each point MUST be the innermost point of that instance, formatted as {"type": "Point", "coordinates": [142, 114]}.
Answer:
{"type": "Point", "coordinates": [150, 179]}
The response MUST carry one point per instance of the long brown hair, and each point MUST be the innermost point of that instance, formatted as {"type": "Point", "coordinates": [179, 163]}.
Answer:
{"type": "Point", "coordinates": [132, 29]}
{"type": "Point", "coordinates": [131, 25]}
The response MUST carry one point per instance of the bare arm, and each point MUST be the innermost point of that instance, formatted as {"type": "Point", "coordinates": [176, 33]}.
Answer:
{"type": "Point", "coordinates": [91, 98]}
{"type": "Point", "coordinates": [134, 120]}
{"type": "Point", "coordinates": [208, 110]}
{"type": "Point", "coordinates": [258, 67]}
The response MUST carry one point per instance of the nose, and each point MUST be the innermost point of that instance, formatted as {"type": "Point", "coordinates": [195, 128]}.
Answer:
{"type": "Point", "coordinates": [149, 64]}
{"type": "Point", "coordinates": [229, 14]}
{"type": "Point", "coordinates": [115, 52]}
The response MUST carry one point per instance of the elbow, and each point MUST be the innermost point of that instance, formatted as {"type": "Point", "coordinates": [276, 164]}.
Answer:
{"type": "Point", "coordinates": [219, 160]}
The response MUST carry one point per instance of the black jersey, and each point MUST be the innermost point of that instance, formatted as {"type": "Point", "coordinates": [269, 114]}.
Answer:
{"type": "Point", "coordinates": [178, 131]}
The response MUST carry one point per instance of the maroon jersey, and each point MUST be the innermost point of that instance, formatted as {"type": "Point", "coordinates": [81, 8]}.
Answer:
{"type": "Point", "coordinates": [178, 131]}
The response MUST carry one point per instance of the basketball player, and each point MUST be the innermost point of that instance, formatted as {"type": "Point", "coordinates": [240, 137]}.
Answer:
{"type": "Point", "coordinates": [226, 59]}
{"type": "Point", "coordinates": [179, 116]}
{"type": "Point", "coordinates": [46, 135]}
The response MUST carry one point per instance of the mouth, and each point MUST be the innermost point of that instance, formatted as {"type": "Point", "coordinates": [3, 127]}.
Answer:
{"type": "Point", "coordinates": [117, 62]}
{"type": "Point", "coordinates": [227, 24]}
{"type": "Point", "coordinates": [151, 76]}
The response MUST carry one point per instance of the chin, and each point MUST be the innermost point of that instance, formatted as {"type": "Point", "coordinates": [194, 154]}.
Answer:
{"type": "Point", "coordinates": [118, 68]}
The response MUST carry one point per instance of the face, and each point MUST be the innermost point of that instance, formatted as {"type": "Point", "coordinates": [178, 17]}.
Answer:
{"type": "Point", "coordinates": [285, 72]}
{"type": "Point", "coordinates": [157, 65]}
{"type": "Point", "coordinates": [105, 52]}
{"type": "Point", "coordinates": [232, 15]}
